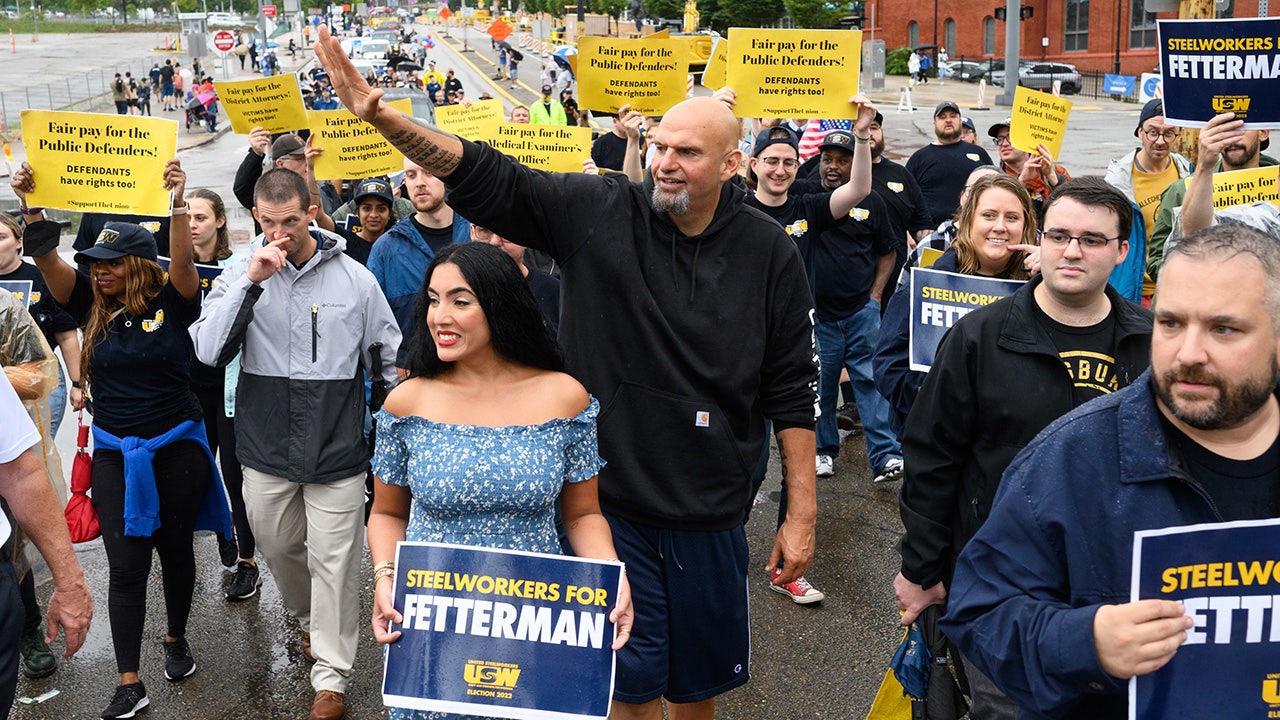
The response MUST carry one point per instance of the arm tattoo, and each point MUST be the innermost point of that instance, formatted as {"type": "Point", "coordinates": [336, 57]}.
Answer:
{"type": "Point", "coordinates": [419, 147]}
{"type": "Point", "coordinates": [782, 458]}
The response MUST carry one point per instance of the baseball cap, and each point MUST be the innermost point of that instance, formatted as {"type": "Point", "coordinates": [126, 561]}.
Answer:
{"type": "Point", "coordinates": [968, 122]}
{"type": "Point", "coordinates": [994, 130]}
{"type": "Point", "coordinates": [1153, 108]}
{"type": "Point", "coordinates": [945, 105]}
{"type": "Point", "coordinates": [778, 134]}
{"type": "Point", "coordinates": [546, 89]}
{"type": "Point", "coordinates": [879, 118]}
{"type": "Point", "coordinates": [287, 144]}
{"type": "Point", "coordinates": [118, 239]}
{"type": "Point", "coordinates": [842, 139]}
{"type": "Point", "coordinates": [373, 187]}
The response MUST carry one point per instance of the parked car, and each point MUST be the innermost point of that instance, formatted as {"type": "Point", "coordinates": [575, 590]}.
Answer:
{"type": "Point", "coordinates": [987, 69]}
{"type": "Point", "coordinates": [1041, 76]}
{"type": "Point", "coordinates": [9, 14]}
{"type": "Point", "coordinates": [963, 70]}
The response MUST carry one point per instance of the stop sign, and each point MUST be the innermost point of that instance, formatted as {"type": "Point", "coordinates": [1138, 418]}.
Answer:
{"type": "Point", "coordinates": [223, 41]}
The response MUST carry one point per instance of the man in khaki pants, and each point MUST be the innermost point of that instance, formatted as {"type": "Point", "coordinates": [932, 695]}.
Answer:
{"type": "Point", "coordinates": [307, 318]}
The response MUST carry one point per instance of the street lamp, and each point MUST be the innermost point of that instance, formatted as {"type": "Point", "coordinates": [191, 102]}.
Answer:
{"type": "Point", "coordinates": [35, 29]}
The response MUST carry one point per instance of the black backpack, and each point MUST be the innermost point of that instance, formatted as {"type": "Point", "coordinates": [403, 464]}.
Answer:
{"type": "Point", "coordinates": [517, 55]}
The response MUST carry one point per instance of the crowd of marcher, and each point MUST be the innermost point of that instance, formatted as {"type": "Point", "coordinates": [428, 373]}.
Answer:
{"type": "Point", "coordinates": [505, 413]}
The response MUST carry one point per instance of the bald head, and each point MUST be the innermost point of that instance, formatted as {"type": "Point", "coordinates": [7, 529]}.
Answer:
{"type": "Point", "coordinates": [709, 116]}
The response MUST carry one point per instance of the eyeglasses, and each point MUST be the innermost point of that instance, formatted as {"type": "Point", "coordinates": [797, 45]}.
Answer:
{"type": "Point", "coordinates": [788, 163]}
{"type": "Point", "coordinates": [1000, 140]}
{"type": "Point", "coordinates": [1091, 241]}
{"type": "Point", "coordinates": [1168, 135]}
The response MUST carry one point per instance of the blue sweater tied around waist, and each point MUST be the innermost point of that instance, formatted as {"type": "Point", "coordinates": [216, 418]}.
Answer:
{"type": "Point", "coordinates": [142, 500]}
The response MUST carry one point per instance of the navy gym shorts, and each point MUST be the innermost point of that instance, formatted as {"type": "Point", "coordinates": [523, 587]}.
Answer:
{"type": "Point", "coordinates": [692, 634]}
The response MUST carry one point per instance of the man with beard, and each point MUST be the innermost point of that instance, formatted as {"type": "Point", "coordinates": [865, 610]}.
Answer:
{"type": "Point", "coordinates": [1242, 154]}
{"type": "Point", "coordinates": [687, 359]}
{"type": "Point", "coordinates": [400, 258]}
{"type": "Point", "coordinates": [1197, 207]}
{"type": "Point", "coordinates": [1040, 600]}
{"type": "Point", "coordinates": [942, 167]}
{"type": "Point", "coordinates": [1002, 374]}
{"type": "Point", "coordinates": [1037, 172]}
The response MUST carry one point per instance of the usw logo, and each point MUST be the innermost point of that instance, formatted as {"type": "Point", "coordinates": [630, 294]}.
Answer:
{"type": "Point", "coordinates": [487, 674]}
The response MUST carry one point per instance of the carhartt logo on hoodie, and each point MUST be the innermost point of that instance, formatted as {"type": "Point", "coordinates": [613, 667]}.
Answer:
{"type": "Point", "coordinates": [702, 418]}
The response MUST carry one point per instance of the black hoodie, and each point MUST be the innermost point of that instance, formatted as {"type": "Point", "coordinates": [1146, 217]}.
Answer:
{"type": "Point", "coordinates": [689, 343]}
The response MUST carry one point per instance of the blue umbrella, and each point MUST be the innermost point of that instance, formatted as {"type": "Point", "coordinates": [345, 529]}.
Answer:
{"type": "Point", "coordinates": [562, 57]}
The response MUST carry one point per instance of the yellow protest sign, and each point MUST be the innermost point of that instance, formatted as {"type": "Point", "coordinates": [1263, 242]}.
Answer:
{"type": "Point", "coordinates": [273, 102]}
{"type": "Point", "coordinates": [91, 162]}
{"type": "Point", "coordinates": [714, 76]}
{"type": "Point", "coordinates": [1245, 187]}
{"type": "Point", "coordinates": [468, 121]}
{"type": "Point", "coordinates": [662, 34]}
{"type": "Point", "coordinates": [353, 149]}
{"type": "Point", "coordinates": [929, 256]}
{"type": "Point", "coordinates": [647, 74]}
{"type": "Point", "coordinates": [794, 73]}
{"type": "Point", "coordinates": [553, 148]}
{"type": "Point", "coordinates": [1038, 118]}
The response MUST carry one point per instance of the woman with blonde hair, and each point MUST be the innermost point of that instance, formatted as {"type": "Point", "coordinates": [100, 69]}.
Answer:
{"type": "Point", "coordinates": [995, 228]}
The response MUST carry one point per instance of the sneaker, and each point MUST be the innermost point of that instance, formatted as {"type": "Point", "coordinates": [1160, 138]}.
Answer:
{"type": "Point", "coordinates": [228, 553]}
{"type": "Point", "coordinates": [37, 659]}
{"type": "Point", "coordinates": [799, 590]}
{"type": "Point", "coordinates": [127, 701]}
{"type": "Point", "coordinates": [847, 417]}
{"type": "Point", "coordinates": [178, 662]}
{"type": "Point", "coordinates": [891, 471]}
{"type": "Point", "coordinates": [826, 466]}
{"type": "Point", "coordinates": [245, 583]}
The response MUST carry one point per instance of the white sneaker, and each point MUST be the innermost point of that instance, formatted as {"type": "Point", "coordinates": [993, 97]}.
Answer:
{"type": "Point", "coordinates": [891, 471]}
{"type": "Point", "coordinates": [826, 466]}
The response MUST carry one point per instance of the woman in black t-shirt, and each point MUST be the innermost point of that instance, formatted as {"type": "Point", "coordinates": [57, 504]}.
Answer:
{"type": "Point", "coordinates": [135, 371]}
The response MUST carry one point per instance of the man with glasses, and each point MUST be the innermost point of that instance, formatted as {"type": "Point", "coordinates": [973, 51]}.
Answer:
{"type": "Point", "coordinates": [1145, 173]}
{"type": "Point", "coordinates": [1038, 173]}
{"type": "Point", "coordinates": [1244, 154]}
{"type": "Point", "coordinates": [1002, 374]}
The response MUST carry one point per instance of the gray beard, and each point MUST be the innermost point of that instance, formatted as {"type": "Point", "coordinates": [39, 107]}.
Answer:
{"type": "Point", "coordinates": [677, 204]}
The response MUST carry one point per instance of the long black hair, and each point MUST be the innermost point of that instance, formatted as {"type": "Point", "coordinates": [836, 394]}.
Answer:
{"type": "Point", "coordinates": [516, 328]}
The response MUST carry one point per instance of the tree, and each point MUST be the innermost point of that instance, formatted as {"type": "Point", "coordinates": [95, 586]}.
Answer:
{"type": "Point", "coordinates": [750, 13]}
{"type": "Point", "coordinates": [665, 9]}
{"type": "Point", "coordinates": [818, 14]}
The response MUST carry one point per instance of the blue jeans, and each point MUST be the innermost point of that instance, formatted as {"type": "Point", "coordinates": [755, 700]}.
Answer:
{"type": "Point", "coordinates": [848, 343]}
{"type": "Point", "coordinates": [58, 403]}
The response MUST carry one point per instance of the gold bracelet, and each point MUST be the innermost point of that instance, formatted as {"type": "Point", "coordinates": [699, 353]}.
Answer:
{"type": "Point", "coordinates": [384, 564]}
{"type": "Point", "coordinates": [383, 572]}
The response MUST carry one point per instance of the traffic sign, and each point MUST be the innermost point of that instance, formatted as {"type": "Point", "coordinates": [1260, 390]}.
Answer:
{"type": "Point", "coordinates": [223, 41]}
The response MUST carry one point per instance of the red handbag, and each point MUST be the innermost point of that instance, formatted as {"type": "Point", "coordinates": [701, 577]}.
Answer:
{"type": "Point", "coordinates": [82, 518]}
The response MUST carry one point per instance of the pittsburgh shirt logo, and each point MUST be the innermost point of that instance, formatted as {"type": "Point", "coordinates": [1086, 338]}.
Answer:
{"type": "Point", "coordinates": [1091, 370]}
{"type": "Point", "coordinates": [155, 324]}
{"type": "Point", "coordinates": [151, 226]}
{"type": "Point", "coordinates": [35, 297]}
{"type": "Point", "coordinates": [797, 228]}
{"type": "Point", "coordinates": [895, 186]}
{"type": "Point", "coordinates": [859, 214]}
{"type": "Point", "coordinates": [973, 156]}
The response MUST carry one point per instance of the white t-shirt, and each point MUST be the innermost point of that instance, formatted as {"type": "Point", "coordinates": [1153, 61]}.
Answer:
{"type": "Point", "coordinates": [17, 434]}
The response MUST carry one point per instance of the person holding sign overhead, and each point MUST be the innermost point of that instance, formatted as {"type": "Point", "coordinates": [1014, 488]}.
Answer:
{"type": "Point", "coordinates": [647, 310]}
{"type": "Point", "coordinates": [487, 435]}
{"type": "Point", "coordinates": [154, 481]}
{"type": "Point", "coordinates": [1198, 207]}
{"type": "Point", "coordinates": [1038, 173]}
{"type": "Point", "coordinates": [1063, 338]}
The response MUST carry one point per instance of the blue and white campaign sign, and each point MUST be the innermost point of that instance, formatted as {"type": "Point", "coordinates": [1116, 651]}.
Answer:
{"type": "Point", "coordinates": [1216, 66]}
{"type": "Point", "coordinates": [938, 300]}
{"type": "Point", "coordinates": [1227, 575]}
{"type": "Point", "coordinates": [1150, 87]}
{"type": "Point", "coordinates": [20, 289]}
{"type": "Point", "coordinates": [207, 274]}
{"type": "Point", "coordinates": [1118, 84]}
{"type": "Point", "coordinates": [501, 633]}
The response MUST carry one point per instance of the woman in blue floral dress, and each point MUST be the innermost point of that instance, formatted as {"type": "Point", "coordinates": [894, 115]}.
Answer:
{"type": "Point", "coordinates": [488, 432]}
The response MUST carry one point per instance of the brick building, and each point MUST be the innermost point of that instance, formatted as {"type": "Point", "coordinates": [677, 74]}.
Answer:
{"type": "Point", "coordinates": [1079, 32]}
